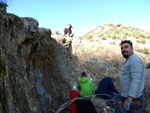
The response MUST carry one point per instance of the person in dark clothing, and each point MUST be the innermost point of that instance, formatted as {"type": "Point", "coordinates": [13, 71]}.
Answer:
{"type": "Point", "coordinates": [106, 88]}
{"type": "Point", "coordinates": [81, 105]}
{"type": "Point", "coordinates": [68, 31]}
{"type": "Point", "coordinates": [85, 106]}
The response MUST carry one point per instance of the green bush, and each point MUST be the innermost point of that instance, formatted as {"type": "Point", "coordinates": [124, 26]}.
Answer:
{"type": "Point", "coordinates": [143, 41]}
{"type": "Point", "coordinates": [104, 38]}
{"type": "Point", "coordinates": [145, 50]}
{"type": "Point", "coordinates": [108, 35]}
{"type": "Point", "coordinates": [118, 31]}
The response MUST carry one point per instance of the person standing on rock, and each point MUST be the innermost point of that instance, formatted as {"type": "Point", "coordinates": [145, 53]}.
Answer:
{"type": "Point", "coordinates": [68, 31]}
{"type": "Point", "coordinates": [131, 80]}
{"type": "Point", "coordinates": [85, 86]}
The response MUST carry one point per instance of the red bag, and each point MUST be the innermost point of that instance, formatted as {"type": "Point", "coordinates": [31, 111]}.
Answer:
{"type": "Point", "coordinates": [73, 95]}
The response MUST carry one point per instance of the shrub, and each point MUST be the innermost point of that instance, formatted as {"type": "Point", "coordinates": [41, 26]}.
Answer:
{"type": "Point", "coordinates": [113, 43]}
{"type": "Point", "coordinates": [100, 35]}
{"type": "Point", "coordinates": [102, 28]}
{"type": "Point", "coordinates": [89, 36]}
{"type": "Point", "coordinates": [114, 37]}
{"type": "Point", "coordinates": [118, 25]}
{"type": "Point", "coordinates": [137, 47]}
{"type": "Point", "coordinates": [108, 35]}
{"type": "Point", "coordinates": [111, 24]}
{"type": "Point", "coordinates": [3, 4]}
{"type": "Point", "coordinates": [58, 32]}
{"type": "Point", "coordinates": [145, 50]}
{"type": "Point", "coordinates": [81, 37]}
{"type": "Point", "coordinates": [143, 41]}
{"type": "Point", "coordinates": [126, 34]}
{"type": "Point", "coordinates": [124, 38]}
{"type": "Point", "coordinates": [118, 31]}
{"type": "Point", "coordinates": [104, 38]}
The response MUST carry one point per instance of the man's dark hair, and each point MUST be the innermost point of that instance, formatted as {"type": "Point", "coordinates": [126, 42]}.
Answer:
{"type": "Point", "coordinates": [126, 41]}
{"type": "Point", "coordinates": [112, 78]}
{"type": "Point", "coordinates": [83, 74]}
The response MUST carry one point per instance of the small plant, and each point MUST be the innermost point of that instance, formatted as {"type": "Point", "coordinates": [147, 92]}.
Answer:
{"type": "Point", "coordinates": [137, 47]}
{"type": "Point", "coordinates": [58, 32]}
{"type": "Point", "coordinates": [143, 41]}
{"type": "Point", "coordinates": [3, 4]}
{"type": "Point", "coordinates": [138, 41]}
{"type": "Point", "coordinates": [145, 50]}
{"type": "Point", "coordinates": [111, 24]}
{"type": "Point", "coordinates": [126, 34]}
{"type": "Point", "coordinates": [118, 25]}
{"type": "Point", "coordinates": [81, 37]}
{"type": "Point", "coordinates": [108, 34]}
{"type": "Point", "coordinates": [113, 43]}
{"type": "Point", "coordinates": [104, 38]}
{"type": "Point", "coordinates": [102, 28]}
{"type": "Point", "coordinates": [124, 38]}
{"type": "Point", "coordinates": [89, 36]}
{"type": "Point", "coordinates": [114, 36]}
{"type": "Point", "coordinates": [118, 31]}
{"type": "Point", "coordinates": [100, 35]}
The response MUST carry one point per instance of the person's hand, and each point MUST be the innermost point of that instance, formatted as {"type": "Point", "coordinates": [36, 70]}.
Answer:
{"type": "Point", "coordinates": [127, 104]}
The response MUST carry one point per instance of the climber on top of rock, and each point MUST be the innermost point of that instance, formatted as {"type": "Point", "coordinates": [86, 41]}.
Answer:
{"type": "Point", "coordinates": [68, 31]}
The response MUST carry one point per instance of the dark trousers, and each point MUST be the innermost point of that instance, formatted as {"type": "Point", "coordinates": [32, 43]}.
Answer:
{"type": "Point", "coordinates": [135, 107]}
{"type": "Point", "coordinates": [85, 105]}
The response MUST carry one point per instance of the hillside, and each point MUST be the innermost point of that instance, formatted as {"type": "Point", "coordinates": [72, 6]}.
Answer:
{"type": "Point", "coordinates": [115, 33]}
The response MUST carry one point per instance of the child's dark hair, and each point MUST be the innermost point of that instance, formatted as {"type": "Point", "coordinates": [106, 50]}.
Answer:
{"type": "Point", "coordinates": [126, 41]}
{"type": "Point", "coordinates": [83, 74]}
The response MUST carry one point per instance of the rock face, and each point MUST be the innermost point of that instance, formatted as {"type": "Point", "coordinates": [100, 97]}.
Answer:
{"type": "Point", "coordinates": [34, 76]}
{"type": "Point", "coordinates": [38, 71]}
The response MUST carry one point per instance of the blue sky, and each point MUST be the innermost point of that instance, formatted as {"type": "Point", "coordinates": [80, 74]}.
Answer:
{"type": "Point", "coordinates": [84, 15]}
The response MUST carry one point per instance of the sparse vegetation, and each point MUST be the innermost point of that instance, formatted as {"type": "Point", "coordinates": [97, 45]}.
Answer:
{"type": "Point", "coordinates": [145, 51]}
{"type": "Point", "coordinates": [143, 41]}
{"type": "Point", "coordinates": [113, 43]}
{"type": "Point", "coordinates": [104, 38]}
{"type": "Point", "coordinates": [121, 32]}
{"type": "Point", "coordinates": [58, 32]}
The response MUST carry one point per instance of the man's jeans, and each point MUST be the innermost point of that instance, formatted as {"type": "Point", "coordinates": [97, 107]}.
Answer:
{"type": "Point", "coordinates": [135, 107]}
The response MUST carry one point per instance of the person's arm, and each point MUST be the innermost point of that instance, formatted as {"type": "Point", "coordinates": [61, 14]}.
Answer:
{"type": "Point", "coordinates": [113, 89]}
{"type": "Point", "coordinates": [78, 86]}
{"type": "Point", "coordinates": [92, 89]}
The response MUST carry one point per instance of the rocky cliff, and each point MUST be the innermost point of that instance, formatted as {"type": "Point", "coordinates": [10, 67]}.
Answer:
{"type": "Point", "coordinates": [34, 75]}
{"type": "Point", "coordinates": [38, 71]}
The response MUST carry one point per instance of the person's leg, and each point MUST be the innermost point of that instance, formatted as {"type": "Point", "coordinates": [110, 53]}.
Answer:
{"type": "Point", "coordinates": [119, 104]}
{"type": "Point", "coordinates": [115, 95]}
{"type": "Point", "coordinates": [72, 34]}
{"type": "Point", "coordinates": [65, 31]}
